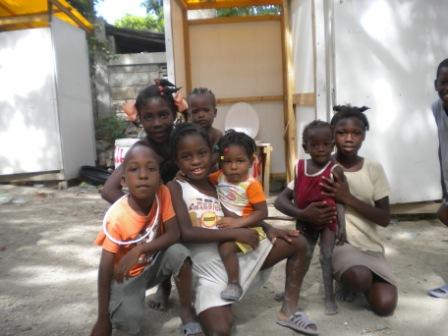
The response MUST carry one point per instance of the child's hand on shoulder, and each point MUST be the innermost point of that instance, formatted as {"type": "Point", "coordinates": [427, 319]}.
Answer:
{"type": "Point", "coordinates": [126, 263]}
{"type": "Point", "coordinates": [228, 223]}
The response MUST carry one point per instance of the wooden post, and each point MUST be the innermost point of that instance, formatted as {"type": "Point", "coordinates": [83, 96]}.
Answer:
{"type": "Point", "coordinates": [187, 54]}
{"type": "Point", "coordinates": [289, 133]}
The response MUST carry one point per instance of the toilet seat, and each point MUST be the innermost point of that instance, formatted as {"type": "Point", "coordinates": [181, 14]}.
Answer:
{"type": "Point", "coordinates": [242, 117]}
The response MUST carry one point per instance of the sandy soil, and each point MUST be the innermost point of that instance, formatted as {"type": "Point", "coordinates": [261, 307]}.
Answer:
{"type": "Point", "coordinates": [48, 268]}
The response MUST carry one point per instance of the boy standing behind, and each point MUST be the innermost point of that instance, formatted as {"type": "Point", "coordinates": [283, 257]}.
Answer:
{"type": "Point", "coordinates": [139, 251]}
{"type": "Point", "coordinates": [440, 111]}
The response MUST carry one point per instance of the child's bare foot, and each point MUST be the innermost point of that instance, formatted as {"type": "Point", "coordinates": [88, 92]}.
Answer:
{"type": "Point", "coordinates": [330, 307]}
{"type": "Point", "coordinates": [159, 300]}
{"type": "Point", "coordinates": [232, 292]}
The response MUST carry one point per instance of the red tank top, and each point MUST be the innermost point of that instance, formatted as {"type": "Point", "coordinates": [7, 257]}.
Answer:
{"type": "Point", "coordinates": [307, 188]}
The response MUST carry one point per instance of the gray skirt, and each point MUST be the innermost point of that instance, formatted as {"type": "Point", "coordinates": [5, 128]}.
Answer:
{"type": "Point", "coordinates": [346, 256]}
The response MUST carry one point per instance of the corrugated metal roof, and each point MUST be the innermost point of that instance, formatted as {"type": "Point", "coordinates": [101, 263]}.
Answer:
{"type": "Point", "coordinates": [20, 14]}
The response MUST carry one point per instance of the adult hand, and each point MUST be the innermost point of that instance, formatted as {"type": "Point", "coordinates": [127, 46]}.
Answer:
{"type": "Point", "coordinates": [228, 223]}
{"type": "Point", "coordinates": [336, 188]}
{"type": "Point", "coordinates": [102, 327]}
{"type": "Point", "coordinates": [319, 214]}
{"type": "Point", "coordinates": [287, 235]}
{"type": "Point", "coordinates": [126, 263]}
{"type": "Point", "coordinates": [247, 236]}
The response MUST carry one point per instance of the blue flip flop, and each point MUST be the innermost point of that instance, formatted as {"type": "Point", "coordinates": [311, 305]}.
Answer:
{"type": "Point", "coordinates": [439, 292]}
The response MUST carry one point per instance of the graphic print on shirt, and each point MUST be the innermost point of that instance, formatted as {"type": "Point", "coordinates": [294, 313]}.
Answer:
{"type": "Point", "coordinates": [204, 212]}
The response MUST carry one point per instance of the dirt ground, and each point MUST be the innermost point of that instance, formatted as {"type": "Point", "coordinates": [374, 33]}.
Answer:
{"type": "Point", "coordinates": [48, 269]}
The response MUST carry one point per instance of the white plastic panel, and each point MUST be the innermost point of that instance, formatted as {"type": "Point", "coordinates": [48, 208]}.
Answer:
{"type": "Point", "coordinates": [387, 52]}
{"type": "Point", "coordinates": [74, 97]}
{"type": "Point", "coordinates": [29, 132]}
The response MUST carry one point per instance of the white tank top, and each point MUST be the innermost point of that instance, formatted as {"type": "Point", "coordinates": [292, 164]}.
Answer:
{"type": "Point", "coordinates": [204, 210]}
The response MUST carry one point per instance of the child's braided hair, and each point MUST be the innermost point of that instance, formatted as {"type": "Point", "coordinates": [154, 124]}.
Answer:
{"type": "Point", "coordinates": [163, 89]}
{"type": "Point", "coordinates": [348, 111]}
{"type": "Point", "coordinates": [184, 129]}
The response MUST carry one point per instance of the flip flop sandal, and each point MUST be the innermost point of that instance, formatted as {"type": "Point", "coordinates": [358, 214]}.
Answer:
{"type": "Point", "coordinates": [439, 292]}
{"type": "Point", "coordinates": [191, 328]}
{"type": "Point", "coordinates": [300, 322]}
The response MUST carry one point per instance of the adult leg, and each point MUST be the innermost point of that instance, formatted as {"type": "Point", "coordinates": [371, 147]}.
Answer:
{"type": "Point", "coordinates": [176, 261]}
{"type": "Point", "coordinates": [217, 321]}
{"type": "Point", "coordinates": [184, 288]}
{"type": "Point", "coordinates": [295, 252]}
{"type": "Point", "coordinates": [228, 252]}
{"type": "Point", "coordinates": [327, 239]}
{"type": "Point", "coordinates": [311, 240]}
{"type": "Point", "coordinates": [381, 296]}
{"type": "Point", "coordinates": [159, 300]}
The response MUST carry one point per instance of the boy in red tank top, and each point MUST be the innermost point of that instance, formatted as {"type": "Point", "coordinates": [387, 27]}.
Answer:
{"type": "Point", "coordinates": [318, 142]}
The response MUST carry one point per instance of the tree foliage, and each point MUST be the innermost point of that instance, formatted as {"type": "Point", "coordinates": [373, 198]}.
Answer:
{"type": "Point", "coordinates": [248, 11]}
{"type": "Point", "coordinates": [153, 21]}
{"type": "Point", "coordinates": [148, 22]}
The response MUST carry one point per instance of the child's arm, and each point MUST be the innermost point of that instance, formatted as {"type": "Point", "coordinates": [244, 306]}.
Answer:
{"type": "Point", "coordinates": [113, 189]}
{"type": "Point", "coordinates": [339, 189]}
{"type": "Point", "coordinates": [341, 235]}
{"type": "Point", "coordinates": [162, 242]}
{"type": "Point", "coordinates": [191, 234]}
{"type": "Point", "coordinates": [319, 214]}
{"type": "Point", "coordinates": [105, 272]}
{"type": "Point", "coordinates": [231, 220]}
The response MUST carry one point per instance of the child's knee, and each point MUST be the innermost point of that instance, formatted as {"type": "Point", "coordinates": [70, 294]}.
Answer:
{"type": "Point", "coordinates": [128, 318]}
{"type": "Point", "coordinates": [227, 248]}
{"type": "Point", "coordinates": [176, 257]}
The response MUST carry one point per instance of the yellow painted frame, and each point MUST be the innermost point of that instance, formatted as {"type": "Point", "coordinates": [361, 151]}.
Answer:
{"type": "Point", "coordinates": [38, 13]}
{"type": "Point", "coordinates": [289, 132]}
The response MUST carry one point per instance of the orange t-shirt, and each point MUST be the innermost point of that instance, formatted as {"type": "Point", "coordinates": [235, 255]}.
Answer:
{"type": "Point", "coordinates": [124, 224]}
{"type": "Point", "coordinates": [238, 197]}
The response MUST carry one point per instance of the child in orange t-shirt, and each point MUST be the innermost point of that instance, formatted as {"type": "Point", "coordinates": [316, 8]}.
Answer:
{"type": "Point", "coordinates": [243, 202]}
{"type": "Point", "coordinates": [139, 251]}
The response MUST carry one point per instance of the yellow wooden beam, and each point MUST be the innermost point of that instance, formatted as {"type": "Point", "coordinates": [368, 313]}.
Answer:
{"type": "Point", "coordinates": [249, 99]}
{"type": "Point", "coordinates": [229, 4]}
{"type": "Point", "coordinates": [23, 19]}
{"type": "Point", "coordinates": [183, 4]}
{"type": "Point", "coordinates": [304, 99]}
{"type": "Point", "coordinates": [234, 19]}
{"type": "Point", "coordinates": [187, 52]}
{"type": "Point", "coordinates": [288, 86]}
